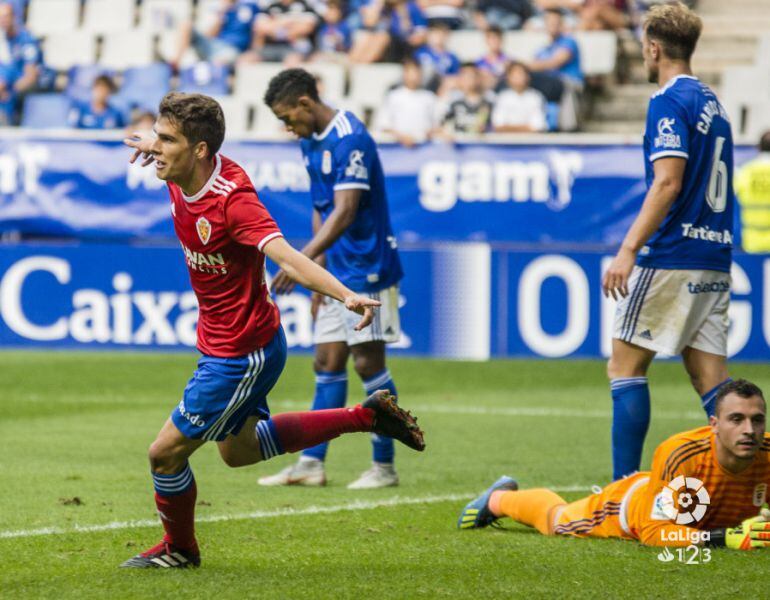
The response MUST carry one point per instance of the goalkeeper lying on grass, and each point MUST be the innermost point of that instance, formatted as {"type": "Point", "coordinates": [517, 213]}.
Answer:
{"type": "Point", "coordinates": [706, 487]}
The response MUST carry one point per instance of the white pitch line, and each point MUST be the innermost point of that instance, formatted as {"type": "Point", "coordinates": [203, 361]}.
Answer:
{"type": "Point", "coordinates": [516, 411]}
{"type": "Point", "coordinates": [260, 514]}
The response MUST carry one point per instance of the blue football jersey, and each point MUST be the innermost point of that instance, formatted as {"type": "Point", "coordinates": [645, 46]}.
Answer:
{"type": "Point", "coordinates": [344, 156]}
{"type": "Point", "coordinates": [685, 119]}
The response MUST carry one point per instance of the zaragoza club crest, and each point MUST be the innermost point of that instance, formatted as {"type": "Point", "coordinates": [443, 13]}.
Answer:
{"type": "Point", "coordinates": [204, 229]}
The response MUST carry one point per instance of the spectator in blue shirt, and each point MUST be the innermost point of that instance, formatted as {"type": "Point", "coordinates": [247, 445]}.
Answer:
{"type": "Point", "coordinates": [98, 113]}
{"type": "Point", "coordinates": [392, 29]}
{"type": "Point", "coordinates": [227, 35]}
{"type": "Point", "coordinates": [23, 51]}
{"type": "Point", "coordinates": [561, 56]}
{"type": "Point", "coordinates": [494, 62]}
{"type": "Point", "coordinates": [7, 96]}
{"type": "Point", "coordinates": [439, 66]}
{"type": "Point", "coordinates": [334, 37]}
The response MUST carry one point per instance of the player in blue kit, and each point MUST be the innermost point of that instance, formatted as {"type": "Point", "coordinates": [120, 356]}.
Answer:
{"type": "Point", "coordinates": [672, 272]}
{"type": "Point", "coordinates": [352, 236]}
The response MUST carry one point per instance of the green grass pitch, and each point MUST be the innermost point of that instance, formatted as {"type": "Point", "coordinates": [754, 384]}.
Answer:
{"type": "Point", "coordinates": [77, 426]}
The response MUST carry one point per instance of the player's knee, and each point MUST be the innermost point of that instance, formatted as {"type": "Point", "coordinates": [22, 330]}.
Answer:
{"type": "Point", "coordinates": [161, 458]}
{"type": "Point", "coordinates": [367, 366]}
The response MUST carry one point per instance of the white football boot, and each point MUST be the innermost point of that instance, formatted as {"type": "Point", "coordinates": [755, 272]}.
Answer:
{"type": "Point", "coordinates": [378, 476]}
{"type": "Point", "coordinates": [308, 472]}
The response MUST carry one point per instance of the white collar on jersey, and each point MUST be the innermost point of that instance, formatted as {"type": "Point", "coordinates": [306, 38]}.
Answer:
{"type": "Point", "coordinates": [207, 185]}
{"type": "Point", "coordinates": [329, 127]}
{"type": "Point", "coordinates": [672, 81]}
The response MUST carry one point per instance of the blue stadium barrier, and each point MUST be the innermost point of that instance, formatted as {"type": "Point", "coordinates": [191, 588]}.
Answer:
{"type": "Point", "coordinates": [463, 301]}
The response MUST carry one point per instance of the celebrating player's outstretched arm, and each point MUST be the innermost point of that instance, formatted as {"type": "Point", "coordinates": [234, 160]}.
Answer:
{"type": "Point", "coordinates": [307, 273]}
{"type": "Point", "coordinates": [325, 233]}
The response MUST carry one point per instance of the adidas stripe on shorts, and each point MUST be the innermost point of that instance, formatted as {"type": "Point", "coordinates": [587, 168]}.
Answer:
{"type": "Point", "coordinates": [336, 324]}
{"type": "Point", "coordinates": [224, 392]}
{"type": "Point", "coordinates": [668, 310]}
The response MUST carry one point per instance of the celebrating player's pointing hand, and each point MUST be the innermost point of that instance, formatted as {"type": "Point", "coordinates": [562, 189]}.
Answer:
{"type": "Point", "coordinates": [363, 306]}
{"type": "Point", "coordinates": [142, 142]}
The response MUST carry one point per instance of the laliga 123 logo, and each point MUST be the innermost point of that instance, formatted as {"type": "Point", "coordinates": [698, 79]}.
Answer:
{"type": "Point", "coordinates": [684, 500]}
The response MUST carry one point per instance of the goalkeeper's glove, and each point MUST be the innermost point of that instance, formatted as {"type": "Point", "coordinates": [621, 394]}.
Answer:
{"type": "Point", "coordinates": [751, 534]}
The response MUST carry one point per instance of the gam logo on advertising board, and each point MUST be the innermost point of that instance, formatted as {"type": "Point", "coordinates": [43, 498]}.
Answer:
{"type": "Point", "coordinates": [445, 183]}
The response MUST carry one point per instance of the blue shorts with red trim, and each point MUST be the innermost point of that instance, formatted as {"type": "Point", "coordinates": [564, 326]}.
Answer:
{"type": "Point", "coordinates": [224, 392]}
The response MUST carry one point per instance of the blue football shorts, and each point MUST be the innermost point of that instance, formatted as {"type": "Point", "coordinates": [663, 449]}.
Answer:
{"type": "Point", "coordinates": [224, 392]}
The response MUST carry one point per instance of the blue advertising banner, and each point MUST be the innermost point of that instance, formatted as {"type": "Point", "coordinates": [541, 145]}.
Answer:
{"type": "Point", "coordinates": [533, 194]}
{"type": "Point", "coordinates": [466, 301]}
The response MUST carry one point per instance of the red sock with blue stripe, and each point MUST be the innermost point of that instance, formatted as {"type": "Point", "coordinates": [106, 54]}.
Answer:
{"type": "Point", "coordinates": [295, 431]}
{"type": "Point", "coordinates": [175, 497]}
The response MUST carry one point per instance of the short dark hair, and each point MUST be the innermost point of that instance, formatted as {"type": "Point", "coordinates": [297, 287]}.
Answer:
{"type": "Point", "coordinates": [411, 60]}
{"type": "Point", "coordinates": [739, 387]}
{"type": "Point", "coordinates": [554, 10]}
{"type": "Point", "coordinates": [514, 64]}
{"type": "Point", "coordinates": [675, 27]}
{"type": "Point", "coordinates": [199, 117]}
{"type": "Point", "coordinates": [468, 65]}
{"type": "Point", "coordinates": [495, 30]}
{"type": "Point", "coordinates": [289, 86]}
{"type": "Point", "coordinates": [106, 80]}
{"type": "Point", "coordinates": [764, 142]}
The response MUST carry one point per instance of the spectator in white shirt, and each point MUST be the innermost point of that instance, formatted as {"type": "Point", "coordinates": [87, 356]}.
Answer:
{"type": "Point", "coordinates": [409, 112]}
{"type": "Point", "coordinates": [518, 108]}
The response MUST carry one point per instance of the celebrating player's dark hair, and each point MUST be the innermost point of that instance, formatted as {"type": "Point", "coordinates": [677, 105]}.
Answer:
{"type": "Point", "coordinates": [289, 86]}
{"type": "Point", "coordinates": [199, 117]}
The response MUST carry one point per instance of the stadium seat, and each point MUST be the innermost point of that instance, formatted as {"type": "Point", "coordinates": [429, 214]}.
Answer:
{"type": "Point", "coordinates": [370, 83]}
{"type": "Point", "coordinates": [161, 15]}
{"type": "Point", "coordinates": [53, 16]}
{"type": "Point", "coordinates": [204, 12]}
{"type": "Point", "coordinates": [468, 45]}
{"type": "Point", "coordinates": [168, 44]}
{"type": "Point", "coordinates": [332, 77]}
{"type": "Point", "coordinates": [743, 87]}
{"type": "Point", "coordinates": [762, 56]}
{"type": "Point", "coordinates": [351, 105]}
{"type": "Point", "coordinates": [144, 87]}
{"type": "Point", "coordinates": [236, 113]}
{"type": "Point", "coordinates": [266, 123]}
{"type": "Point", "coordinates": [756, 119]}
{"type": "Point", "coordinates": [81, 78]}
{"type": "Point", "coordinates": [63, 51]}
{"type": "Point", "coordinates": [204, 78]}
{"type": "Point", "coordinates": [598, 51]}
{"type": "Point", "coordinates": [251, 80]}
{"type": "Point", "coordinates": [45, 111]}
{"type": "Point", "coordinates": [523, 45]}
{"type": "Point", "coordinates": [125, 49]}
{"type": "Point", "coordinates": [108, 16]}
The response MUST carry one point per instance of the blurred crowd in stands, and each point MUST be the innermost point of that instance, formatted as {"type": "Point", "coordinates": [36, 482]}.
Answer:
{"type": "Point", "coordinates": [439, 95]}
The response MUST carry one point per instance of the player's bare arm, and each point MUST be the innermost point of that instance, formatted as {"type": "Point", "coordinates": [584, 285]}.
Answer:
{"type": "Point", "coordinates": [310, 275]}
{"type": "Point", "coordinates": [344, 213]}
{"type": "Point", "coordinates": [669, 172]}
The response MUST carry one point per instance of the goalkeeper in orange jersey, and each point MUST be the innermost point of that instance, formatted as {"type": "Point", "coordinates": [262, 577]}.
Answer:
{"type": "Point", "coordinates": [707, 486]}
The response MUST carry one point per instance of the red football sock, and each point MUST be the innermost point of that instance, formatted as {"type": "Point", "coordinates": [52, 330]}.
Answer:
{"type": "Point", "coordinates": [299, 430]}
{"type": "Point", "coordinates": [177, 513]}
